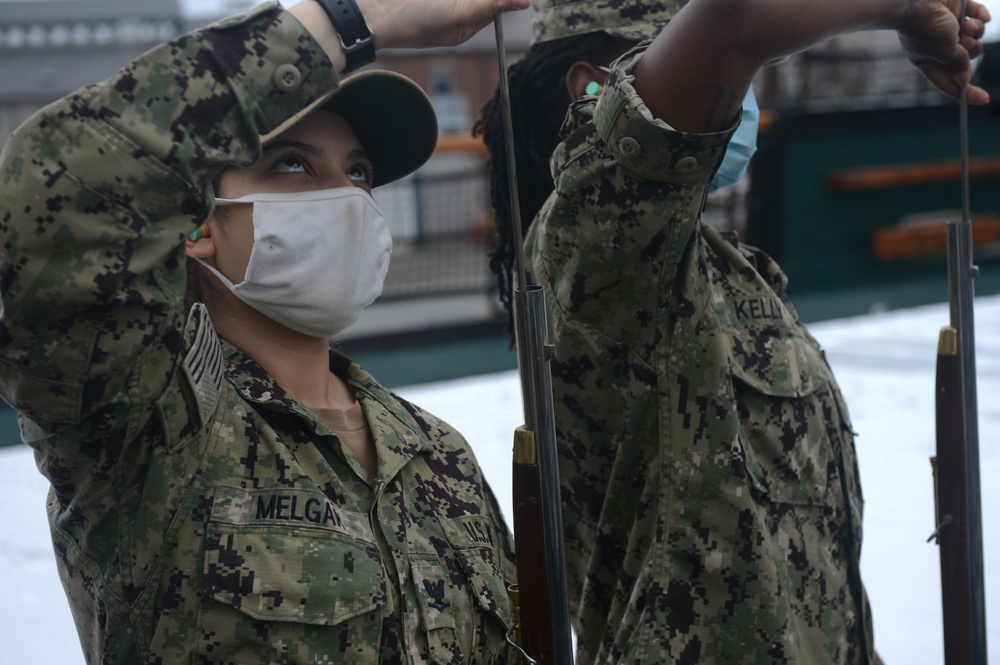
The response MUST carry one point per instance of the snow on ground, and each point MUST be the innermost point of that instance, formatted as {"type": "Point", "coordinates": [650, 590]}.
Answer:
{"type": "Point", "coordinates": [885, 365]}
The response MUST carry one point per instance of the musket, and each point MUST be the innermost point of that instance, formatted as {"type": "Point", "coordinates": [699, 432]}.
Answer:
{"type": "Point", "coordinates": [958, 507]}
{"type": "Point", "coordinates": [543, 627]}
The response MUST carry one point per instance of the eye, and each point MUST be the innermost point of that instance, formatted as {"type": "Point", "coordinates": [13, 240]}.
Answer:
{"type": "Point", "coordinates": [290, 163]}
{"type": "Point", "coordinates": [362, 172]}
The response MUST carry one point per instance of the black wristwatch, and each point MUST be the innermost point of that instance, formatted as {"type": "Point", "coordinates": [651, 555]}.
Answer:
{"type": "Point", "coordinates": [356, 37]}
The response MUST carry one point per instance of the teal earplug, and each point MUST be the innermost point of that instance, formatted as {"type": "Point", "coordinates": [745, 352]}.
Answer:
{"type": "Point", "coordinates": [199, 233]}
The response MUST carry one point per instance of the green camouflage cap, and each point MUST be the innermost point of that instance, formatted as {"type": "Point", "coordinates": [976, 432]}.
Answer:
{"type": "Point", "coordinates": [630, 19]}
{"type": "Point", "coordinates": [391, 115]}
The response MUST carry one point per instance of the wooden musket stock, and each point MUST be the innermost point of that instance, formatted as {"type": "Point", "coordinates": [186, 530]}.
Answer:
{"type": "Point", "coordinates": [534, 629]}
{"type": "Point", "coordinates": [951, 503]}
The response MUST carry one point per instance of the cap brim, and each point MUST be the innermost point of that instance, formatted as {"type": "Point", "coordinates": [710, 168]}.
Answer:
{"type": "Point", "coordinates": [639, 32]}
{"type": "Point", "coordinates": [392, 117]}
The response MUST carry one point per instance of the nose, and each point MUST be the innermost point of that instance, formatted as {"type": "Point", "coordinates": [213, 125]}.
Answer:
{"type": "Point", "coordinates": [337, 179]}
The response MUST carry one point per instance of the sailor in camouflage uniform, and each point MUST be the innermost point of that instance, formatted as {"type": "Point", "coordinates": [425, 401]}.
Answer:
{"type": "Point", "coordinates": [712, 505]}
{"type": "Point", "coordinates": [202, 510]}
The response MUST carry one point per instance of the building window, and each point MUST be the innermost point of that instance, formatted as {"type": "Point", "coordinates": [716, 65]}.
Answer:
{"type": "Point", "coordinates": [451, 104]}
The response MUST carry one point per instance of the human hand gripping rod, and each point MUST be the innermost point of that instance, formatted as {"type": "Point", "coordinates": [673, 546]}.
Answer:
{"type": "Point", "coordinates": [958, 507]}
{"type": "Point", "coordinates": [543, 630]}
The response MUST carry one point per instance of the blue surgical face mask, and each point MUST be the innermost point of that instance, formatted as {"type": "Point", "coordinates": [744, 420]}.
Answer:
{"type": "Point", "coordinates": [741, 147]}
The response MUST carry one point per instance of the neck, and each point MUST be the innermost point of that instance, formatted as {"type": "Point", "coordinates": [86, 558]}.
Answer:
{"type": "Point", "coordinates": [299, 363]}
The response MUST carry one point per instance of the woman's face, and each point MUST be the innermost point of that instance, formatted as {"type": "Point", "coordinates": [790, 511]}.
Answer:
{"type": "Point", "coordinates": [319, 152]}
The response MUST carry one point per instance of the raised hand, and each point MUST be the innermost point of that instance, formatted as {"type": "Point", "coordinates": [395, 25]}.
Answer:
{"type": "Point", "coordinates": [929, 33]}
{"type": "Point", "coordinates": [427, 23]}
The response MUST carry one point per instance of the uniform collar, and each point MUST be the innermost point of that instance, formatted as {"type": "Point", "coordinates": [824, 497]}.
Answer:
{"type": "Point", "coordinates": [398, 436]}
{"type": "Point", "coordinates": [252, 381]}
{"type": "Point", "coordinates": [394, 425]}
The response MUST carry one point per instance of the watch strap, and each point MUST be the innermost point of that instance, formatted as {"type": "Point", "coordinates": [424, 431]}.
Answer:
{"type": "Point", "coordinates": [356, 37]}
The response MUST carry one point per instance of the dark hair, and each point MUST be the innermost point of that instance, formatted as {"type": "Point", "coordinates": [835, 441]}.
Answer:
{"type": "Point", "coordinates": [539, 101]}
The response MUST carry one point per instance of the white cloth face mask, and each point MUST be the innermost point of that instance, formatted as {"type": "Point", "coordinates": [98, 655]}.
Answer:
{"type": "Point", "coordinates": [318, 258]}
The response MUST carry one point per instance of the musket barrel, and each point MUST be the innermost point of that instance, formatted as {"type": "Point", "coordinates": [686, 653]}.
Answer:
{"type": "Point", "coordinates": [536, 386]}
{"type": "Point", "coordinates": [961, 273]}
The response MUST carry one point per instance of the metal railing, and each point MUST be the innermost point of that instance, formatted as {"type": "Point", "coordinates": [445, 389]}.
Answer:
{"type": "Point", "coordinates": [441, 232]}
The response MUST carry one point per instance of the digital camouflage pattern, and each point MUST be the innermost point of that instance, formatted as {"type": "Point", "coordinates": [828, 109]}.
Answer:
{"type": "Point", "coordinates": [630, 19]}
{"type": "Point", "coordinates": [711, 499]}
{"type": "Point", "coordinates": [199, 513]}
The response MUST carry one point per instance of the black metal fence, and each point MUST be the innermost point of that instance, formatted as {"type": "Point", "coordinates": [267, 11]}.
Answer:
{"type": "Point", "coordinates": [441, 232]}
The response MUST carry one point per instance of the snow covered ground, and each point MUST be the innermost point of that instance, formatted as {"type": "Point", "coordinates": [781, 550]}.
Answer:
{"type": "Point", "coordinates": [885, 364]}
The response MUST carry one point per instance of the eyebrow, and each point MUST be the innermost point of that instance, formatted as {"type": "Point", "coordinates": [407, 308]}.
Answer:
{"type": "Point", "coordinates": [359, 154]}
{"type": "Point", "coordinates": [288, 143]}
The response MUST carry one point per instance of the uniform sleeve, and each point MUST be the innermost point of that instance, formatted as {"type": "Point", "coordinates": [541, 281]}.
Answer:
{"type": "Point", "coordinates": [628, 193]}
{"type": "Point", "coordinates": [99, 189]}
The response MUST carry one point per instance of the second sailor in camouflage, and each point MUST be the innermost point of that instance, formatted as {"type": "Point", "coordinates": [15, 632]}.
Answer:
{"type": "Point", "coordinates": [711, 500]}
{"type": "Point", "coordinates": [712, 507]}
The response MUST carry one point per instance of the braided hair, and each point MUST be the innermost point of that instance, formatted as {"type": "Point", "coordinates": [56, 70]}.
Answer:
{"type": "Point", "coordinates": [539, 101]}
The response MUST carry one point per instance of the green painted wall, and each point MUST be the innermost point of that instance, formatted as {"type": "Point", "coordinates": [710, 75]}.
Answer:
{"type": "Point", "coordinates": [823, 238]}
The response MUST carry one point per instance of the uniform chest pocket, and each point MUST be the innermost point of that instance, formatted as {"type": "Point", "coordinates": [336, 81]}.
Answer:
{"type": "Point", "coordinates": [291, 556]}
{"type": "Point", "coordinates": [462, 597]}
{"type": "Point", "coordinates": [781, 389]}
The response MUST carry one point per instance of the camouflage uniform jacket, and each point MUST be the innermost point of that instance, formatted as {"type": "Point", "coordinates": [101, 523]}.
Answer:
{"type": "Point", "coordinates": [199, 513]}
{"type": "Point", "coordinates": [709, 482]}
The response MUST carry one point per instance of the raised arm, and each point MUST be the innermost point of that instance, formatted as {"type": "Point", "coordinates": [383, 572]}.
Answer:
{"type": "Point", "coordinates": [697, 71]}
{"type": "Point", "coordinates": [407, 23]}
{"type": "Point", "coordinates": [100, 188]}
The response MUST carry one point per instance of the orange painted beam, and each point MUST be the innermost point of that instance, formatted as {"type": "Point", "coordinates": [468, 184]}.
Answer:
{"type": "Point", "coordinates": [909, 241]}
{"type": "Point", "coordinates": [460, 143]}
{"type": "Point", "coordinates": [908, 175]}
